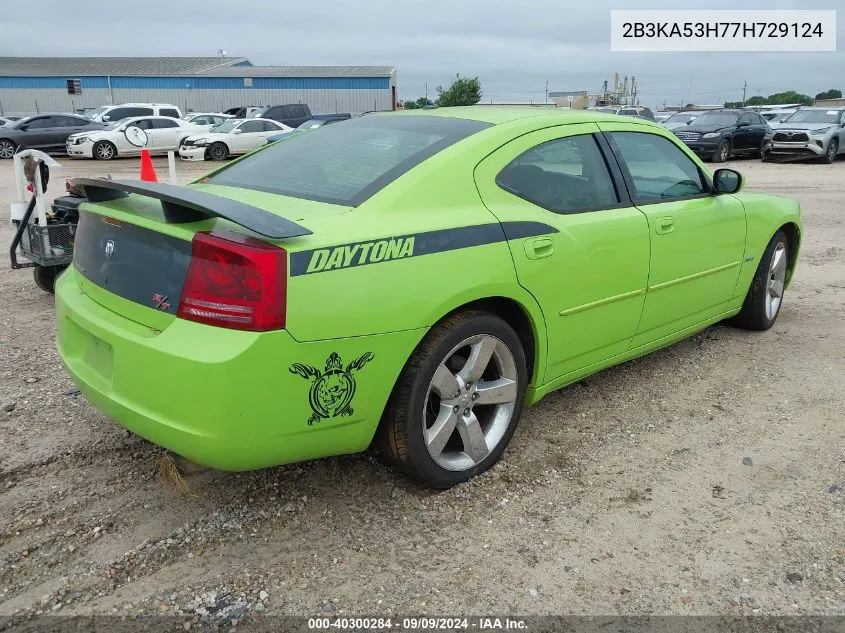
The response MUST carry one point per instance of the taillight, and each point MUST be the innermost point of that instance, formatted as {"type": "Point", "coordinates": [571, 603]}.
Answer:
{"type": "Point", "coordinates": [235, 282]}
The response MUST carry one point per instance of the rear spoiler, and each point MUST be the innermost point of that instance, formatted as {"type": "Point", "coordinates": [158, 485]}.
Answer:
{"type": "Point", "coordinates": [183, 204]}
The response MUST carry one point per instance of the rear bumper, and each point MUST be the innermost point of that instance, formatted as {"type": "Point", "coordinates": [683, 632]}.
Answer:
{"type": "Point", "coordinates": [222, 398]}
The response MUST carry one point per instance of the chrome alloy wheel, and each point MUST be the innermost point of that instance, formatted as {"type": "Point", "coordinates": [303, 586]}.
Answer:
{"type": "Point", "coordinates": [470, 402]}
{"type": "Point", "coordinates": [7, 149]}
{"type": "Point", "coordinates": [776, 281]}
{"type": "Point", "coordinates": [104, 151]}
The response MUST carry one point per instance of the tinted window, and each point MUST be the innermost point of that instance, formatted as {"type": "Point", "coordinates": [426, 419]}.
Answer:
{"type": "Point", "coordinates": [169, 112]}
{"type": "Point", "coordinates": [269, 126]}
{"type": "Point", "coordinates": [163, 124]}
{"type": "Point", "coordinates": [68, 121]}
{"type": "Point", "coordinates": [40, 123]}
{"type": "Point", "coordinates": [716, 119]}
{"type": "Point", "coordinates": [629, 112]}
{"type": "Point", "coordinates": [144, 124]}
{"type": "Point", "coordinates": [201, 120]}
{"type": "Point", "coordinates": [294, 111]}
{"type": "Point", "coordinates": [659, 168]}
{"type": "Point", "coordinates": [346, 164]}
{"type": "Point", "coordinates": [745, 118]}
{"type": "Point", "coordinates": [565, 175]}
{"type": "Point", "coordinates": [252, 126]}
{"type": "Point", "coordinates": [756, 119]}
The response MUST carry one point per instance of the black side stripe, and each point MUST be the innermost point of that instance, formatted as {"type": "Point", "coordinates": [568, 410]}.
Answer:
{"type": "Point", "coordinates": [410, 245]}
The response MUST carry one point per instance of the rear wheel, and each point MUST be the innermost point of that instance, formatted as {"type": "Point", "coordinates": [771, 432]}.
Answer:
{"type": "Point", "coordinates": [832, 151]}
{"type": "Point", "coordinates": [7, 148]}
{"type": "Point", "coordinates": [218, 151]}
{"type": "Point", "coordinates": [765, 296]}
{"type": "Point", "coordinates": [722, 153]}
{"type": "Point", "coordinates": [103, 150]}
{"type": "Point", "coordinates": [458, 400]}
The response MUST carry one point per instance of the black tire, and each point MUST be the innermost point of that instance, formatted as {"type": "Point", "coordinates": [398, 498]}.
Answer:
{"type": "Point", "coordinates": [400, 437]}
{"type": "Point", "coordinates": [832, 151]}
{"type": "Point", "coordinates": [218, 151]}
{"type": "Point", "coordinates": [103, 150]}
{"type": "Point", "coordinates": [45, 277]}
{"type": "Point", "coordinates": [722, 153]}
{"type": "Point", "coordinates": [7, 149]}
{"type": "Point", "coordinates": [753, 315]}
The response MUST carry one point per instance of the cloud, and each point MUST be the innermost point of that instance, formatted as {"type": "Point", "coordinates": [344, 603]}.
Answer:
{"type": "Point", "coordinates": [513, 47]}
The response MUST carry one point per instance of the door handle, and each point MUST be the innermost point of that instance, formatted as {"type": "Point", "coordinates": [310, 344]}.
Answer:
{"type": "Point", "coordinates": [539, 247]}
{"type": "Point", "coordinates": [664, 225]}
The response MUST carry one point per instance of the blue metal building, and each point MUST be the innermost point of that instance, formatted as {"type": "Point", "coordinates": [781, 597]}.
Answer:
{"type": "Point", "coordinates": [65, 84]}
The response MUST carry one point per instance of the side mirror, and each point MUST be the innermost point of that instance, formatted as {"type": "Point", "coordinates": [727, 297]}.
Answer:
{"type": "Point", "coordinates": [727, 181]}
{"type": "Point", "coordinates": [106, 117]}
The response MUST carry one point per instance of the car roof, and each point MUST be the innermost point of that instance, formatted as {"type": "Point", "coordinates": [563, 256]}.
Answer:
{"type": "Point", "coordinates": [506, 114]}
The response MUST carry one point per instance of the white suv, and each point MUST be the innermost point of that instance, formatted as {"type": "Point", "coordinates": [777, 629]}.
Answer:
{"type": "Point", "coordinates": [110, 114]}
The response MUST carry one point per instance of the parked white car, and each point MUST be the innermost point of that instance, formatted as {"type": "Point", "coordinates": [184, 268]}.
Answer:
{"type": "Point", "coordinates": [164, 134]}
{"type": "Point", "coordinates": [112, 113]}
{"type": "Point", "coordinates": [208, 120]}
{"type": "Point", "coordinates": [234, 137]}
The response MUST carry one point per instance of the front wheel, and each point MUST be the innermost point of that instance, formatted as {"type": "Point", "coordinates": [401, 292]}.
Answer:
{"type": "Point", "coordinates": [103, 150]}
{"type": "Point", "coordinates": [832, 151]}
{"type": "Point", "coordinates": [218, 151]}
{"type": "Point", "coordinates": [458, 400]}
{"type": "Point", "coordinates": [722, 153]}
{"type": "Point", "coordinates": [765, 296]}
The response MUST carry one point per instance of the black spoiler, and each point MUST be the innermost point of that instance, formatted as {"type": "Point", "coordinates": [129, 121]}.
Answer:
{"type": "Point", "coordinates": [183, 204]}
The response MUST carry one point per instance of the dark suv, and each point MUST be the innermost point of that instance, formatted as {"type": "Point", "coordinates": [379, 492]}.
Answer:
{"type": "Point", "coordinates": [720, 134]}
{"type": "Point", "coordinates": [292, 115]}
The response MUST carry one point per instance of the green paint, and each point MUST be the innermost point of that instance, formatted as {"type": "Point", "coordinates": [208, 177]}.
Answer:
{"type": "Point", "coordinates": [230, 400]}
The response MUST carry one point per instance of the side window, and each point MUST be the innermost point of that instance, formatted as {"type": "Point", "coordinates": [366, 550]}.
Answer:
{"type": "Point", "coordinates": [40, 123]}
{"type": "Point", "coordinates": [117, 114]}
{"type": "Point", "coordinates": [69, 121]}
{"type": "Point", "coordinates": [757, 120]}
{"type": "Point", "coordinates": [163, 124]}
{"type": "Point", "coordinates": [202, 120]}
{"type": "Point", "coordinates": [566, 175]}
{"type": "Point", "coordinates": [659, 169]}
{"type": "Point", "coordinates": [294, 112]}
{"type": "Point", "coordinates": [144, 124]}
{"type": "Point", "coordinates": [139, 111]}
{"type": "Point", "coordinates": [269, 126]}
{"type": "Point", "coordinates": [745, 118]}
{"type": "Point", "coordinates": [842, 117]}
{"type": "Point", "coordinates": [252, 126]}
{"type": "Point", "coordinates": [169, 112]}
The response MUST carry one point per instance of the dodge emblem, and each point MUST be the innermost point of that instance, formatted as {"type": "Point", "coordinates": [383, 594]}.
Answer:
{"type": "Point", "coordinates": [109, 249]}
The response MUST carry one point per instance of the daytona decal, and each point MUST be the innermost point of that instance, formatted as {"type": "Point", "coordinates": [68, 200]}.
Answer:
{"type": "Point", "coordinates": [401, 247]}
{"type": "Point", "coordinates": [332, 391]}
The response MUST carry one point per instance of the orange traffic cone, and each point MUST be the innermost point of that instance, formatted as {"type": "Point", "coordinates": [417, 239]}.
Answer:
{"type": "Point", "coordinates": [148, 172]}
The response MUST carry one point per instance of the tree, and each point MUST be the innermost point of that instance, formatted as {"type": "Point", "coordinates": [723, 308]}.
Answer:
{"type": "Point", "coordinates": [463, 91]}
{"type": "Point", "coordinates": [419, 103]}
{"type": "Point", "coordinates": [833, 93]}
{"type": "Point", "coordinates": [789, 97]}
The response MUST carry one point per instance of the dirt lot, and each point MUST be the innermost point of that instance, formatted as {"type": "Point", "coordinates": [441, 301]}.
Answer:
{"type": "Point", "coordinates": [706, 478]}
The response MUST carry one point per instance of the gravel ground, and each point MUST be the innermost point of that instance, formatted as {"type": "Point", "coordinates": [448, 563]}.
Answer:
{"type": "Point", "coordinates": [708, 478]}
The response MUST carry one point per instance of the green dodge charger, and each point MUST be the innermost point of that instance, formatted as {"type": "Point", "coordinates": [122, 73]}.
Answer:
{"type": "Point", "coordinates": [408, 279]}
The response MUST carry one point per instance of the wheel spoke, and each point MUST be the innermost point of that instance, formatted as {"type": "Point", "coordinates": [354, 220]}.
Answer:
{"type": "Point", "coordinates": [445, 383]}
{"type": "Point", "coordinates": [478, 359]}
{"type": "Point", "coordinates": [778, 266]}
{"type": "Point", "coordinates": [496, 391]}
{"type": "Point", "coordinates": [475, 444]}
{"type": "Point", "coordinates": [776, 288]}
{"type": "Point", "coordinates": [438, 435]}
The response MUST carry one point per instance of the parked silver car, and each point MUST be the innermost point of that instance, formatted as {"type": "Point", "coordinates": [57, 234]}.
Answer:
{"type": "Point", "coordinates": [811, 132]}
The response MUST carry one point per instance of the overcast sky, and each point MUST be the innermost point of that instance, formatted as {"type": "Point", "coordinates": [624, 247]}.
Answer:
{"type": "Point", "coordinates": [513, 46]}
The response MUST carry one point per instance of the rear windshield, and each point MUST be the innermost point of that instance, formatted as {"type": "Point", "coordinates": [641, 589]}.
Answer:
{"type": "Point", "coordinates": [346, 164]}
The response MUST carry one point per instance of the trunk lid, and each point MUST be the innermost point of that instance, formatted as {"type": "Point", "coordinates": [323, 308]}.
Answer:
{"type": "Point", "coordinates": [132, 261]}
